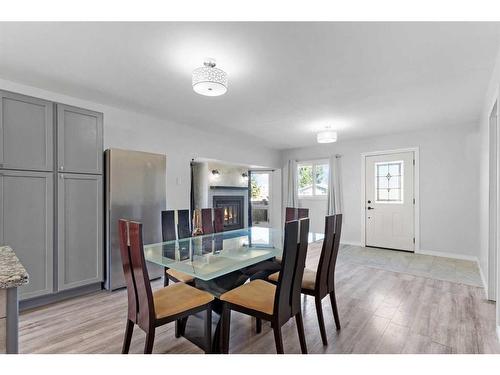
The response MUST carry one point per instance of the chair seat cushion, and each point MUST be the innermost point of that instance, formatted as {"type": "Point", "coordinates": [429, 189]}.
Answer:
{"type": "Point", "coordinates": [180, 276]}
{"type": "Point", "coordinates": [179, 297]}
{"type": "Point", "coordinates": [256, 295]}
{"type": "Point", "coordinates": [308, 280]}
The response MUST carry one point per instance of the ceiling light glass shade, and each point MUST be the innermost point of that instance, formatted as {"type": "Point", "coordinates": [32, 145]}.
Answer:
{"type": "Point", "coordinates": [209, 80]}
{"type": "Point", "coordinates": [327, 137]}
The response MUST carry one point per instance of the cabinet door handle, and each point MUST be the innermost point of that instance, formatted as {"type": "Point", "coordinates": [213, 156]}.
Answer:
{"type": "Point", "coordinates": [61, 176]}
{"type": "Point", "coordinates": [61, 167]}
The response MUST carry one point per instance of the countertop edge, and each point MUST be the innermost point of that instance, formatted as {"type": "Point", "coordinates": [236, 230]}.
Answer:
{"type": "Point", "coordinates": [12, 272]}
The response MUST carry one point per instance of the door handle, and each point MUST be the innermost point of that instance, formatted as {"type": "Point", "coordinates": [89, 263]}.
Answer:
{"type": "Point", "coordinates": [370, 208]}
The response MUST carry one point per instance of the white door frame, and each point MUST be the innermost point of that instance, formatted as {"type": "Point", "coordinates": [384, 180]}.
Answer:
{"type": "Point", "coordinates": [493, 212]}
{"type": "Point", "coordinates": [416, 192]}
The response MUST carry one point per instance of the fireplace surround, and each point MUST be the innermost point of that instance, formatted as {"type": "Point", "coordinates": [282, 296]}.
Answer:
{"type": "Point", "coordinates": [233, 206]}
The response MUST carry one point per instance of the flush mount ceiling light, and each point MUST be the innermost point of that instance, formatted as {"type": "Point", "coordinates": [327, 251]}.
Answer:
{"type": "Point", "coordinates": [327, 136]}
{"type": "Point", "coordinates": [209, 80]}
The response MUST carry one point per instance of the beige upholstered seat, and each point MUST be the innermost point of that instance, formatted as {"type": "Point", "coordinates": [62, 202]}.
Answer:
{"type": "Point", "coordinates": [180, 276]}
{"type": "Point", "coordinates": [256, 295]}
{"type": "Point", "coordinates": [308, 280]}
{"type": "Point", "coordinates": [179, 297]}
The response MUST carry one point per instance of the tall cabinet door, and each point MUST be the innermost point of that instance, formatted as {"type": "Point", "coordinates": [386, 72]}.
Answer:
{"type": "Point", "coordinates": [26, 225]}
{"type": "Point", "coordinates": [80, 142]}
{"type": "Point", "coordinates": [80, 256]}
{"type": "Point", "coordinates": [26, 132]}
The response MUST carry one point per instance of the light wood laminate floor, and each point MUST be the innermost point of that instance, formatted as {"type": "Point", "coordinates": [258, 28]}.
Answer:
{"type": "Point", "coordinates": [381, 311]}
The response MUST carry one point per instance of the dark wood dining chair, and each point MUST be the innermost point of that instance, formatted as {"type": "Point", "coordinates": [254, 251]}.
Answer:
{"type": "Point", "coordinates": [275, 303]}
{"type": "Point", "coordinates": [218, 220]}
{"type": "Point", "coordinates": [302, 213]}
{"type": "Point", "coordinates": [183, 224]}
{"type": "Point", "coordinates": [218, 228]}
{"type": "Point", "coordinates": [150, 309]}
{"type": "Point", "coordinates": [321, 282]}
{"type": "Point", "coordinates": [207, 227]}
{"type": "Point", "coordinates": [207, 224]}
{"type": "Point", "coordinates": [291, 214]}
{"type": "Point", "coordinates": [168, 234]}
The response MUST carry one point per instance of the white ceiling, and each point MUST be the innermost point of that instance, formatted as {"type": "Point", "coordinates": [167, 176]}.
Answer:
{"type": "Point", "coordinates": [286, 80]}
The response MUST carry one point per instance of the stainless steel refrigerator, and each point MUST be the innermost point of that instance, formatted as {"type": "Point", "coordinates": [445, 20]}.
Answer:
{"type": "Point", "coordinates": [135, 190]}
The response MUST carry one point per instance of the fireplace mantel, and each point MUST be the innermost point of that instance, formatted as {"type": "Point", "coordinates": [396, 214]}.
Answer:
{"type": "Point", "coordinates": [229, 187]}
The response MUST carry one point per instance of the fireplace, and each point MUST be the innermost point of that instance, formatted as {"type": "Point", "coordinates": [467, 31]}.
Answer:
{"type": "Point", "coordinates": [233, 206]}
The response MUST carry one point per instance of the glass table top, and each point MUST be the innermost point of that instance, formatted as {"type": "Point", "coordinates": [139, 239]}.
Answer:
{"type": "Point", "coordinates": [209, 256]}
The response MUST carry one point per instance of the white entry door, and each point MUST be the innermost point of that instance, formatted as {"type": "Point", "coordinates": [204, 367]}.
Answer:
{"type": "Point", "coordinates": [389, 201]}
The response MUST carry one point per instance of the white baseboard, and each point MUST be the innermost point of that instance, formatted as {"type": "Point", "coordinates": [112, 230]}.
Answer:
{"type": "Point", "coordinates": [444, 254]}
{"type": "Point", "coordinates": [447, 255]}
{"type": "Point", "coordinates": [472, 258]}
{"type": "Point", "coordinates": [350, 243]}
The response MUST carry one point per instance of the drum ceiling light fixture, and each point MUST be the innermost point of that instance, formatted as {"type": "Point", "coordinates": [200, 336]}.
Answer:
{"type": "Point", "coordinates": [327, 136]}
{"type": "Point", "coordinates": [209, 80]}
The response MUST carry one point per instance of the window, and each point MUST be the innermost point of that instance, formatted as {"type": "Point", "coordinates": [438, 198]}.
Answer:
{"type": "Point", "coordinates": [389, 182]}
{"type": "Point", "coordinates": [312, 179]}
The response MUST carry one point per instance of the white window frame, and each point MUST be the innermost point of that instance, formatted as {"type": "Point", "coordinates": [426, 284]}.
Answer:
{"type": "Point", "coordinates": [312, 163]}
{"type": "Point", "coordinates": [401, 182]}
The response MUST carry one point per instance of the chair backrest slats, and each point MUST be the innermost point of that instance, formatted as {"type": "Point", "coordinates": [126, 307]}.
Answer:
{"type": "Point", "coordinates": [335, 252]}
{"type": "Point", "coordinates": [207, 224]}
{"type": "Point", "coordinates": [300, 264]}
{"type": "Point", "coordinates": [292, 269]}
{"type": "Point", "coordinates": [218, 220]}
{"type": "Point", "coordinates": [127, 270]}
{"type": "Point", "coordinates": [325, 256]}
{"type": "Point", "coordinates": [139, 274]}
{"type": "Point", "coordinates": [184, 224]}
{"type": "Point", "coordinates": [168, 232]}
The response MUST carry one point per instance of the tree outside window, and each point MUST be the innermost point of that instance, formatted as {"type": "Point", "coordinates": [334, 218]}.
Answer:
{"type": "Point", "coordinates": [312, 179]}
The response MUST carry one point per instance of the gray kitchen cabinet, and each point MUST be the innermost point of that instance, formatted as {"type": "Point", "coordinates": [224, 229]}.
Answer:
{"type": "Point", "coordinates": [79, 140]}
{"type": "Point", "coordinates": [26, 132]}
{"type": "Point", "coordinates": [26, 225]}
{"type": "Point", "coordinates": [80, 242]}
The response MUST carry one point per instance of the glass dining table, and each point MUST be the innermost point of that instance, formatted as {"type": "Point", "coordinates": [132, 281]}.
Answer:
{"type": "Point", "coordinates": [220, 262]}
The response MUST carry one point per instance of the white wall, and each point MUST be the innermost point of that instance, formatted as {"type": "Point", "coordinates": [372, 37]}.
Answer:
{"type": "Point", "coordinates": [181, 143]}
{"type": "Point", "coordinates": [449, 189]}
